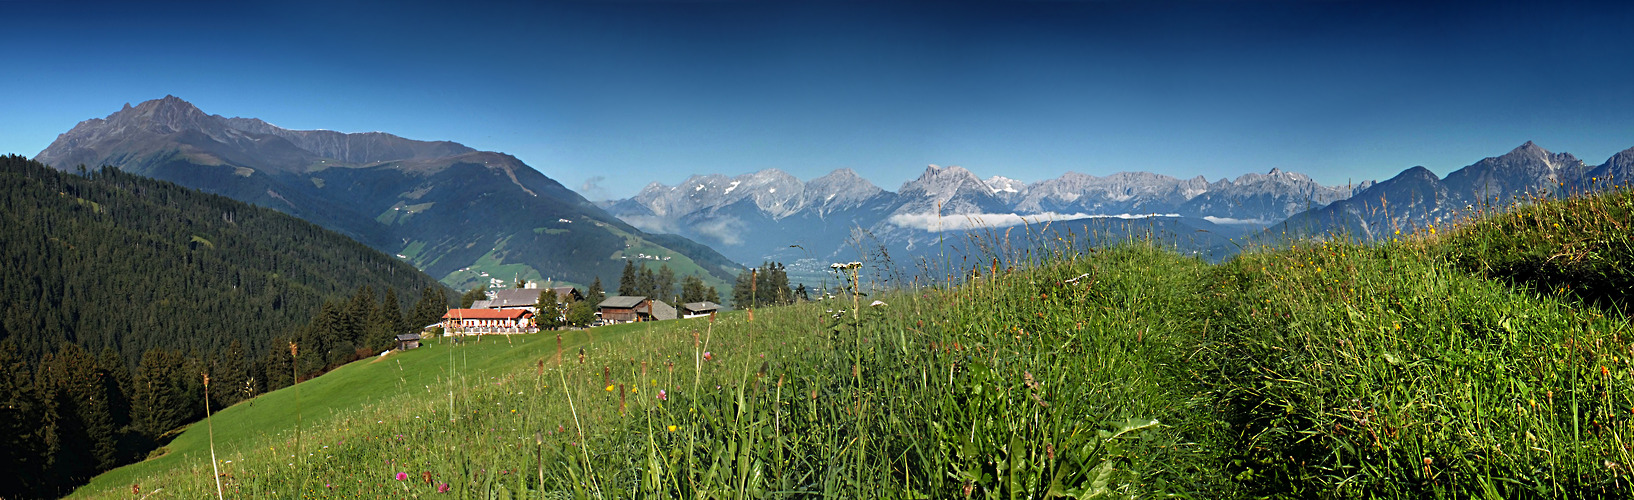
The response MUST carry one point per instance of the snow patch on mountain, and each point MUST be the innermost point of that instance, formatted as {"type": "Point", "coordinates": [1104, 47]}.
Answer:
{"type": "Point", "coordinates": [938, 223]}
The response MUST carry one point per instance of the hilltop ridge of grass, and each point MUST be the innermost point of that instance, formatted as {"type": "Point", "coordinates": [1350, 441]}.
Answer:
{"type": "Point", "coordinates": [1414, 368]}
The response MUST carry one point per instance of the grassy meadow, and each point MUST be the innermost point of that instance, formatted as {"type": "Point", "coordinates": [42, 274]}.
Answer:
{"type": "Point", "coordinates": [1485, 360]}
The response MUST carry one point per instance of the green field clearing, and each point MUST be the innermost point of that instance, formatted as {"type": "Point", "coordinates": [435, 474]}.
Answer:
{"type": "Point", "coordinates": [1430, 366]}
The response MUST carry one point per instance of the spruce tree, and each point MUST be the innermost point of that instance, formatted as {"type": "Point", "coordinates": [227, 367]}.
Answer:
{"type": "Point", "coordinates": [23, 437]}
{"type": "Point", "coordinates": [229, 376]}
{"type": "Point", "coordinates": [387, 323]}
{"type": "Point", "coordinates": [664, 284]}
{"type": "Point", "coordinates": [595, 295]}
{"type": "Point", "coordinates": [155, 406]}
{"type": "Point", "coordinates": [646, 283]}
{"type": "Point", "coordinates": [430, 308]}
{"type": "Point", "coordinates": [627, 280]}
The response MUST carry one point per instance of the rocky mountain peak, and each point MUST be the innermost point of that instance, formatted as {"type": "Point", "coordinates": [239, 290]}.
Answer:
{"type": "Point", "coordinates": [839, 190]}
{"type": "Point", "coordinates": [1530, 150]}
{"type": "Point", "coordinates": [941, 182]}
{"type": "Point", "coordinates": [167, 115]}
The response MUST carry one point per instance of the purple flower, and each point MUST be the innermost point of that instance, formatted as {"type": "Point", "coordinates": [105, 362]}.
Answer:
{"type": "Point", "coordinates": [442, 488]}
{"type": "Point", "coordinates": [402, 476]}
{"type": "Point", "coordinates": [663, 396]}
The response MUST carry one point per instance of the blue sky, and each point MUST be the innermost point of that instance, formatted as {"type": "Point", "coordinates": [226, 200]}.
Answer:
{"type": "Point", "coordinates": [628, 92]}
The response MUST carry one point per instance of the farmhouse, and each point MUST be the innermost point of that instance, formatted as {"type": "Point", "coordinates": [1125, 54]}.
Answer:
{"type": "Point", "coordinates": [526, 298]}
{"type": "Point", "coordinates": [699, 309]}
{"type": "Point", "coordinates": [481, 321]}
{"type": "Point", "coordinates": [408, 341]}
{"type": "Point", "coordinates": [628, 308]}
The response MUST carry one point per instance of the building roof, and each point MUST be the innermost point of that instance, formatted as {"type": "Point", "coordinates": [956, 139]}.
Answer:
{"type": "Point", "coordinates": [704, 306]}
{"type": "Point", "coordinates": [408, 336]}
{"type": "Point", "coordinates": [482, 304]}
{"type": "Point", "coordinates": [622, 301]}
{"type": "Point", "coordinates": [662, 311]}
{"type": "Point", "coordinates": [524, 297]}
{"type": "Point", "coordinates": [487, 314]}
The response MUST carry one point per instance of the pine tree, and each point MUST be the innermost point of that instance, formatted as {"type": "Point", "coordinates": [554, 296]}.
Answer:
{"type": "Point", "coordinates": [230, 374]}
{"type": "Point", "coordinates": [741, 289]}
{"type": "Point", "coordinates": [85, 392]}
{"type": "Point", "coordinates": [595, 295]}
{"type": "Point", "coordinates": [664, 284]}
{"type": "Point", "coordinates": [155, 406]}
{"type": "Point", "coordinates": [23, 438]}
{"type": "Point", "coordinates": [275, 366]}
{"type": "Point", "coordinates": [692, 289]}
{"type": "Point", "coordinates": [386, 323]}
{"type": "Point", "coordinates": [430, 308]}
{"type": "Point", "coordinates": [646, 284]}
{"type": "Point", "coordinates": [119, 377]}
{"type": "Point", "coordinates": [627, 280]}
{"type": "Point", "coordinates": [354, 321]}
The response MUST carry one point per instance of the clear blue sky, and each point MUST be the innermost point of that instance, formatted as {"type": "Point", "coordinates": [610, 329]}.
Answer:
{"type": "Point", "coordinates": [638, 91]}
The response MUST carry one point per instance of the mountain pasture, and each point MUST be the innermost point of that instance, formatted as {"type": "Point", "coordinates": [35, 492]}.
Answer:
{"type": "Point", "coordinates": [1317, 369]}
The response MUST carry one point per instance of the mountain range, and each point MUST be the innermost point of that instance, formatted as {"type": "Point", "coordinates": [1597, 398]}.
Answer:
{"type": "Point", "coordinates": [769, 214]}
{"type": "Point", "coordinates": [470, 217]}
{"type": "Point", "coordinates": [1416, 198]}
{"type": "Point", "coordinates": [465, 216]}
{"type": "Point", "coordinates": [773, 215]}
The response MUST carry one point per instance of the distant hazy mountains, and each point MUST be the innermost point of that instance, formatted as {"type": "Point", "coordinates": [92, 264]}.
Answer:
{"type": "Point", "coordinates": [462, 215]}
{"type": "Point", "coordinates": [760, 215]}
{"type": "Point", "coordinates": [1416, 198]}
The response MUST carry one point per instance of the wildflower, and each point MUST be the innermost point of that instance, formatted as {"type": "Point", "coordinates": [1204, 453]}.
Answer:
{"type": "Point", "coordinates": [426, 475]}
{"type": "Point", "coordinates": [442, 488]}
{"type": "Point", "coordinates": [672, 428]}
{"type": "Point", "coordinates": [663, 396]}
{"type": "Point", "coordinates": [609, 387]}
{"type": "Point", "coordinates": [877, 303]}
{"type": "Point", "coordinates": [709, 356]}
{"type": "Point", "coordinates": [402, 476]}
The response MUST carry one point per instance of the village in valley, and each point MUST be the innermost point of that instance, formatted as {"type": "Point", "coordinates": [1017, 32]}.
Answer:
{"type": "Point", "coordinates": [531, 307]}
{"type": "Point", "coordinates": [518, 310]}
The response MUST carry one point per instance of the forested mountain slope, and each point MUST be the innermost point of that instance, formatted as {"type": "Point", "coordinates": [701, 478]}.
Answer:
{"type": "Point", "coordinates": [118, 291]}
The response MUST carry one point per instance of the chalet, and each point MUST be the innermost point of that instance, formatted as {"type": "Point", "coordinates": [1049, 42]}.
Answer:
{"type": "Point", "coordinates": [628, 308]}
{"type": "Point", "coordinates": [481, 321]}
{"type": "Point", "coordinates": [699, 309]}
{"type": "Point", "coordinates": [408, 341]}
{"type": "Point", "coordinates": [526, 298]}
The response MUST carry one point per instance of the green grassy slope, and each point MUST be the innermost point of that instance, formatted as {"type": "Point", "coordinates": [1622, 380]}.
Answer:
{"type": "Point", "coordinates": [271, 418]}
{"type": "Point", "coordinates": [1318, 370]}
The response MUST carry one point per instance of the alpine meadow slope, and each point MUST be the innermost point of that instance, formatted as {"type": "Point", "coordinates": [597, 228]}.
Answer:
{"type": "Point", "coordinates": [1399, 369]}
{"type": "Point", "coordinates": [467, 217]}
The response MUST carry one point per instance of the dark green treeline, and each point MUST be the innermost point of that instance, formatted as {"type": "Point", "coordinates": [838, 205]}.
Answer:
{"type": "Point", "coordinates": [118, 292]}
